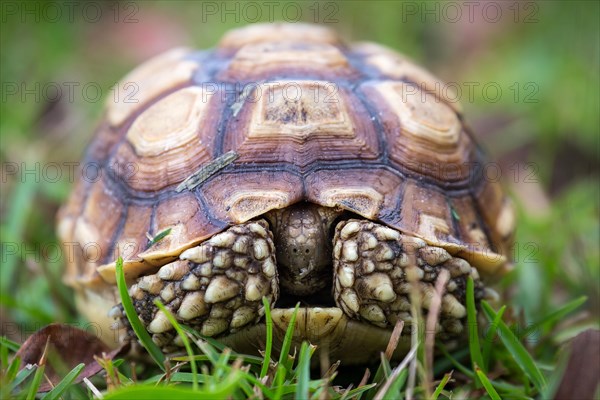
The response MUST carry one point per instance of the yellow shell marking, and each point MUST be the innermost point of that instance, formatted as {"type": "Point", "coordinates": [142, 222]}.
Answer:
{"type": "Point", "coordinates": [153, 77]}
{"type": "Point", "coordinates": [426, 119]}
{"type": "Point", "coordinates": [298, 110]}
{"type": "Point", "coordinates": [171, 123]}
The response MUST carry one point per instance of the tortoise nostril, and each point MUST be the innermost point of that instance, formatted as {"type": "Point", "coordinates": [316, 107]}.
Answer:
{"type": "Point", "coordinates": [307, 251]}
{"type": "Point", "coordinates": [295, 250]}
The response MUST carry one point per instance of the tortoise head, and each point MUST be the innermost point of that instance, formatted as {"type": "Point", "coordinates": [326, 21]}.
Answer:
{"type": "Point", "coordinates": [303, 243]}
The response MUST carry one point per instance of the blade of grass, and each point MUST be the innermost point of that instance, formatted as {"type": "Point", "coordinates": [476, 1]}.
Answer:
{"type": "Point", "coordinates": [64, 384]}
{"type": "Point", "coordinates": [441, 386]}
{"type": "Point", "coordinates": [456, 364]}
{"type": "Point", "coordinates": [9, 344]}
{"type": "Point", "coordinates": [158, 238]}
{"type": "Point", "coordinates": [110, 370]}
{"type": "Point", "coordinates": [177, 377]}
{"type": "Point", "coordinates": [246, 388]}
{"type": "Point", "coordinates": [278, 382]}
{"type": "Point", "coordinates": [3, 356]}
{"type": "Point", "coordinates": [213, 342]}
{"type": "Point", "coordinates": [384, 370]}
{"type": "Point", "coordinates": [209, 351]}
{"type": "Point", "coordinates": [401, 368]}
{"type": "Point", "coordinates": [475, 349]}
{"type": "Point", "coordinates": [498, 384]}
{"type": "Point", "coordinates": [184, 339]}
{"type": "Point", "coordinates": [357, 392]}
{"type": "Point", "coordinates": [35, 383]}
{"type": "Point", "coordinates": [222, 364]}
{"type": "Point", "coordinates": [444, 364]}
{"type": "Point", "coordinates": [432, 320]}
{"type": "Point", "coordinates": [487, 384]}
{"type": "Point", "coordinates": [91, 388]}
{"type": "Point", "coordinates": [287, 340]}
{"type": "Point", "coordinates": [555, 378]}
{"type": "Point", "coordinates": [219, 392]}
{"type": "Point", "coordinates": [22, 375]}
{"type": "Point", "coordinates": [489, 338]}
{"type": "Point", "coordinates": [12, 370]}
{"type": "Point", "coordinates": [250, 377]}
{"type": "Point", "coordinates": [517, 350]}
{"type": "Point", "coordinates": [247, 359]}
{"type": "Point", "coordinates": [554, 316]}
{"type": "Point", "coordinates": [416, 340]}
{"type": "Point", "coordinates": [395, 388]}
{"type": "Point", "coordinates": [134, 320]}
{"type": "Point", "coordinates": [303, 372]}
{"type": "Point", "coordinates": [6, 381]}
{"type": "Point", "coordinates": [21, 202]}
{"type": "Point", "coordinates": [290, 388]}
{"type": "Point", "coordinates": [269, 339]}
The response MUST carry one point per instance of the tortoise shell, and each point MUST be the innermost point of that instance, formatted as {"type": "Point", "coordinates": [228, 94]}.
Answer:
{"type": "Point", "coordinates": [276, 115]}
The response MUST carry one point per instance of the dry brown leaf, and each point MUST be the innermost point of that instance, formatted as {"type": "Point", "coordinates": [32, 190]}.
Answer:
{"type": "Point", "coordinates": [68, 346]}
{"type": "Point", "coordinates": [580, 380]}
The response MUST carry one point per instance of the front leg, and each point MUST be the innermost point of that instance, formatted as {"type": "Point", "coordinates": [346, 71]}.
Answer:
{"type": "Point", "coordinates": [375, 269]}
{"type": "Point", "coordinates": [215, 287]}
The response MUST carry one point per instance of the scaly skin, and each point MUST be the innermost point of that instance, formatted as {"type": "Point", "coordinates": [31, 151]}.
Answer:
{"type": "Point", "coordinates": [217, 286]}
{"type": "Point", "coordinates": [376, 269]}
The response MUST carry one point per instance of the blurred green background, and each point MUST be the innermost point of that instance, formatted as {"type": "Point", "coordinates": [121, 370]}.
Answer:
{"type": "Point", "coordinates": [533, 69]}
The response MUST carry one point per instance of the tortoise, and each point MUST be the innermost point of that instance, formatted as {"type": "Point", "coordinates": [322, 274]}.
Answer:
{"type": "Point", "coordinates": [290, 165]}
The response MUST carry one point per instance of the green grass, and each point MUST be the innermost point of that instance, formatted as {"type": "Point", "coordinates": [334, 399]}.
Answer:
{"type": "Point", "coordinates": [226, 374]}
{"type": "Point", "coordinates": [134, 320]}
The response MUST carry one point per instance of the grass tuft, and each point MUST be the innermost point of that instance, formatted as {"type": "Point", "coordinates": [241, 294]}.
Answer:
{"type": "Point", "coordinates": [303, 371]}
{"type": "Point", "coordinates": [516, 350]}
{"type": "Point", "coordinates": [487, 384]}
{"type": "Point", "coordinates": [473, 331]}
{"type": "Point", "coordinates": [64, 384]}
{"type": "Point", "coordinates": [440, 387]}
{"type": "Point", "coordinates": [134, 320]}
{"type": "Point", "coordinates": [36, 382]}
{"type": "Point", "coordinates": [269, 339]}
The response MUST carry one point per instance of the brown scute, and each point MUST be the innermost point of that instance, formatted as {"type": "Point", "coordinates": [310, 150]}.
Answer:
{"type": "Point", "coordinates": [251, 194]}
{"type": "Point", "coordinates": [105, 139]}
{"type": "Point", "coordinates": [256, 62]}
{"type": "Point", "coordinates": [188, 225]}
{"type": "Point", "coordinates": [273, 33]}
{"type": "Point", "coordinates": [91, 241]}
{"type": "Point", "coordinates": [168, 140]}
{"type": "Point", "coordinates": [132, 240]}
{"type": "Point", "coordinates": [424, 135]}
{"type": "Point", "coordinates": [425, 213]}
{"type": "Point", "coordinates": [347, 141]}
{"type": "Point", "coordinates": [370, 193]}
{"type": "Point", "coordinates": [389, 64]}
{"type": "Point", "coordinates": [188, 222]}
{"type": "Point", "coordinates": [148, 81]}
{"type": "Point", "coordinates": [302, 123]}
{"type": "Point", "coordinates": [491, 202]}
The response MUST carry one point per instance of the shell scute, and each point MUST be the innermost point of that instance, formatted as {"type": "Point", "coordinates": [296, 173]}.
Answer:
{"type": "Point", "coordinates": [147, 81]}
{"type": "Point", "coordinates": [302, 122]}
